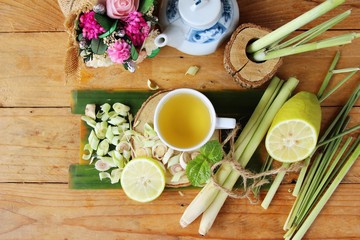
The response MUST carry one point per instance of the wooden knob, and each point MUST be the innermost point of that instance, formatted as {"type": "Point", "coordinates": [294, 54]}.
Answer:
{"type": "Point", "coordinates": [247, 73]}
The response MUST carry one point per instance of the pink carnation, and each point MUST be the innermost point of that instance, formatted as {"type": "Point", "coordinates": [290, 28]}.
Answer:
{"type": "Point", "coordinates": [90, 28]}
{"type": "Point", "coordinates": [136, 28]}
{"type": "Point", "coordinates": [119, 52]}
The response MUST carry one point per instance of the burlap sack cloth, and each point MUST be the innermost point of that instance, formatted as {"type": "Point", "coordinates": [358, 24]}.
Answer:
{"type": "Point", "coordinates": [71, 10]}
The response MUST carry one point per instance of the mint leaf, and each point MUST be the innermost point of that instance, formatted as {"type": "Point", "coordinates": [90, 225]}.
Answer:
{"type": "Point", "coordinates": [198, 171]}
{"type": "Point", "coordinates": [212, 150]}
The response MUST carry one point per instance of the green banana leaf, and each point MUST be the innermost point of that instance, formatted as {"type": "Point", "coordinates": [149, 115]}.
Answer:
{"type": "Point", "coordinates": [237, 104]}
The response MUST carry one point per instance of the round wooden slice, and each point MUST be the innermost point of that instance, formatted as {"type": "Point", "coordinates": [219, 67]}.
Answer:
{"type": "Point", "coordinates": [247, 73]}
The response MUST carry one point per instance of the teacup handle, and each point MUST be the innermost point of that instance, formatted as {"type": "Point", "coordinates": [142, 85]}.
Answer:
{"type": "Point", "coordinates": [225, 123]}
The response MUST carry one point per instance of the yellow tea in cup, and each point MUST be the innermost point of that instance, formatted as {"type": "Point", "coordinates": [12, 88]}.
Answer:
{"type": "Point", "coordinates": [184, 120]}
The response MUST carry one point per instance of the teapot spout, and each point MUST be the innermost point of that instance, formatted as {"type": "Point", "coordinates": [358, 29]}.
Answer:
{"type": "Point", "coordinates": [172, 36]}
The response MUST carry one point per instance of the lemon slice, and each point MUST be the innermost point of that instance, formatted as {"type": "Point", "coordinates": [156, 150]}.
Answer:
{"type": "Point", "coordinates": [295, 129]}
{"type": "Point", "coordinates": [143, 179]}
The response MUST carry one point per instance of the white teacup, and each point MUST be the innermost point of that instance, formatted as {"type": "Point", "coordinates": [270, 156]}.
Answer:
{"type": "Point", "coordinates": [185, 119]}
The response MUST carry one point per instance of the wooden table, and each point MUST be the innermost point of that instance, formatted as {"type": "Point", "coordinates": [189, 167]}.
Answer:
{"type": "Point", "coordinates": [40, 136]}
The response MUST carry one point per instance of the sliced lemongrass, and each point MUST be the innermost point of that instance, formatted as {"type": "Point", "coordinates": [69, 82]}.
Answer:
{"type": "Point", "coordinates": [152, 85]}
{"type": "Point", "coordinates": [177, 176]}
{"type": "Point", "coordinates": [318, 207]}
{"type": "Point", "coordinates": [327, 94]}
{"type": "Point", "coordinates": [87, 152]}
{"type": "Point", "coordinates": [313, 32]}
{"type": "Point", "coordinates": [167, 155]}
{"type": "Point", "coordinates": [293, 25]}
{"type": "Point", "coordinates": [149, 131]}
{"type": "Point", "coordinates": [121, 109]}
{"type": "Point", "coordinates": [159, 150]}
{"type": "Point", "coordinates": [325, 43]}
{"type": "Point", "coordinates": [274, 187]}
{"type": "Point", "coordinates": [117, 120]}
{"type": "Point", "coordinates": [101, 129]}
{"type": "Point", "coordinates": [103, 148]}
{"type": "Point", "coordinates": [184, 159]}
{"type": "Point", "coordinates": [329, 74]}
{"type": "Point", "coordinates": [102, 166]}
{"type": "Point", "coordinates": [109, 134]}
{"type": "Point", "coordinates": [192, 70]}
{"type": "Point", "coordinates": [173, 160]}
{"type": "Point", "coordinates": [93, 140]}
{"type": "Point", "coordinates": [90, 111]}
{"type": "Point", "coordinates": [89, 121]}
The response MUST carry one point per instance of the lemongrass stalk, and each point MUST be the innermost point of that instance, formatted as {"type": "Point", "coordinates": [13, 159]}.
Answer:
{"type": "Point", "coordinates": [321, 186]}
{"type": "Point", "coordinates": [265, 167]}
{"type": "Point", "coordinates": [242, 142]}
{"type": "Point", "coordinates": [262, 55]}
{"type": "Point", "coordinates": [205, 197]}
{"type": "Point", "coordinates": [209, 192]}
{"type": "Point", "coordinates": [270, 91]}
{"type": "Point", "coordinates": [274, 187]}
{"type": "Point", "coordinates": [293, 25]}
{"type": "Point", "coordinates": [212, 211]}
{"type": "Point", "coordinates": [313, 32]}
{"type": "Point", "coordinates": [327, 94]}
{"type": "Point", "coordinates": [339, 117]}
{"type": "Point", "coordinates": [319, 206]}
{"type": "Point", "coordinates": [296, 206]}
{"type": "Point", "coordinates": [329, 75]}
{"type": "Point", "coordinates": [346, 70]}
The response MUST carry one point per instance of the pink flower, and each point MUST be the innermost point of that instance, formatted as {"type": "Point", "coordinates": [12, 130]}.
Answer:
{"type": "Point", "coordinates": [90, 28]}
{"type": "Point", "coordinates": [120, 9]}
{"type": "Point", "coordinates": [136, 28]}
{"type": "Point", "coordinates": [119, 52]}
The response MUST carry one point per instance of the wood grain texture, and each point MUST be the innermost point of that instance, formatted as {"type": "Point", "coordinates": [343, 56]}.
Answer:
{"type": "Point", "coordinates": [36, 60]}
{"type": "Point", "coordinates": [45, 15]}
{"type": "Point", "coordinates": [51, 211]}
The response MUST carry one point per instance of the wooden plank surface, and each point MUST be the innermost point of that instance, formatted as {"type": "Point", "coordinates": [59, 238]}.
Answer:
{"type": "Point", "coordinates": [40, 136]}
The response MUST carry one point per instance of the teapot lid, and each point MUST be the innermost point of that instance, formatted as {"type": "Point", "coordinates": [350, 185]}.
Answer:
{"type": "Point", "coordinates": [200, 14]}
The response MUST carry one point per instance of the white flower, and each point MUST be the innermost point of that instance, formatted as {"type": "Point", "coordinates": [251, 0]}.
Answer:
{"type": "Point", "coordinates": [99, 61]}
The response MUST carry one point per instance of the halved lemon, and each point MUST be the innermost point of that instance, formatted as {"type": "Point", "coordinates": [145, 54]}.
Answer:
{"type": "Point", "coordinates": [295, 129]}
{"type": "Point", "coordinates": [143, 179]}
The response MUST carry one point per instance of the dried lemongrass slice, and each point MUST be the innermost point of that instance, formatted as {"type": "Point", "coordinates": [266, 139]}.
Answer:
{"type": "Point", "coordinates": [152, 85]}
{"type": "Point", "coordinates": [192, 70]}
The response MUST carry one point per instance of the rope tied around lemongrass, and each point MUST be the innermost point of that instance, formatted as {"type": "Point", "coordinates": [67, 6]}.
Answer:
{"type": "Point", "coordinates": [246, 174]}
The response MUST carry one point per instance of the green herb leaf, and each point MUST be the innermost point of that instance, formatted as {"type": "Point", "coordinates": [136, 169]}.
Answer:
{"type": "Point", "coordinates": [134, 53]}
{"type": "Point", "coordinates": [98, 46]}
{"type": "Point", "coordinates": [154, 53]}
{"type": "Point", "coordinates": [104, 21]}
{"type": "Point", "coordinates": [198, 171]}
{"type": "Point", "coordinates": [145, 6]}
{"type": "Point", "coordinates": [213, 152]}
{"type": "Point", "coordinates": [110, 31]}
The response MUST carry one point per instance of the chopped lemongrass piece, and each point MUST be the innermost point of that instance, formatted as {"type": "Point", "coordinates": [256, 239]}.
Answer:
{"type": "Point", "coordinates": [192, 70]}
{"type": "Point", "coordinates": [346, 70]}
{"type": "Point", "coordinates": [152, 85]}
{"type": "Point", "coordinates": [87, 152]}
{"type": "Point", "coordinates": [90, 110]}
{"type": "Point", "coordinates": [325, 43]}
{"type": "Point", "coordinates": [293, 25]}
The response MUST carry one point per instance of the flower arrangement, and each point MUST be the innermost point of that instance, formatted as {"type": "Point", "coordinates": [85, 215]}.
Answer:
{"type": "Point", "coordinates": [117, 32]}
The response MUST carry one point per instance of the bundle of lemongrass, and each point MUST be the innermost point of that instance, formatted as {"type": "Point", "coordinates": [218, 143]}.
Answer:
{"type": "Point", "coordinates": [273, 45]}
{"type": "Point", "coordinates": [325, 167]}
{"type": "Point", "coordinates": [210, 199]}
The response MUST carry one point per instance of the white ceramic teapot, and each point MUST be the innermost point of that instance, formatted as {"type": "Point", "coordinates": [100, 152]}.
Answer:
{"type": "Point", "coordinates": [196, 27]}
